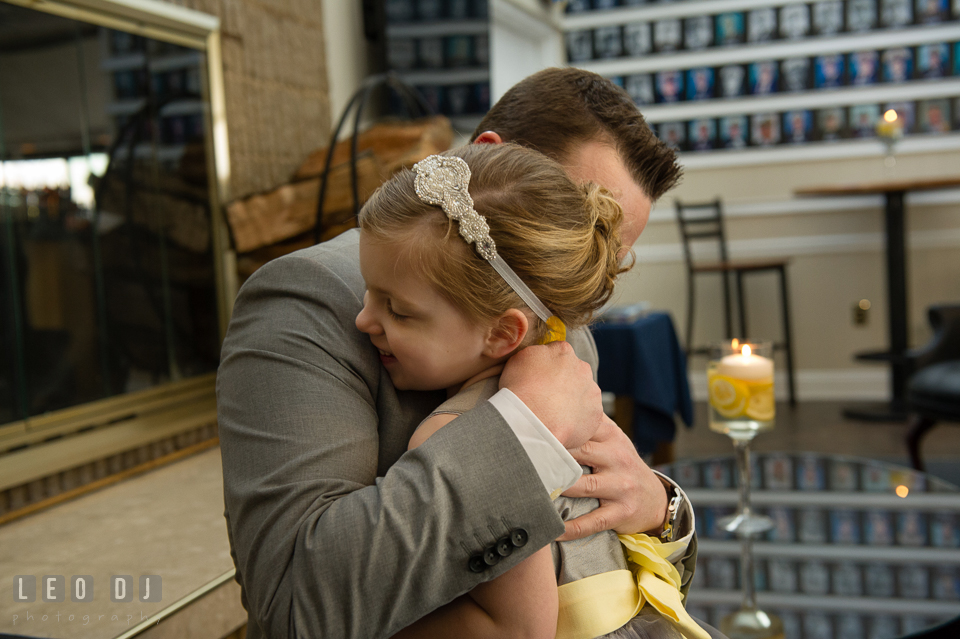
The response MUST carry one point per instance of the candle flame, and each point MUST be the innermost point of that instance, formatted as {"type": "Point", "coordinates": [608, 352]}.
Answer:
{"type": "Point", "coordinates": [745, 351]}
{"type": "Point", "coordinates": [890, 115]}
{"type": "Point", "coordinates": [736, 343]}
{"type": "Point", "coordinates": [902, 491]}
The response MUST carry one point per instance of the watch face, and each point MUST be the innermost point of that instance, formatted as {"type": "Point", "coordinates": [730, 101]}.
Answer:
{"type": "Point", "coordinates": [700, 83]}
{"type": "Point", "coordinates": [640, 88]}
{"type": "Point", "coordinates": [732, 81]}
{"type": "Point", "coordinates": [932, 60]}
{"type": "Point", "coordinates": [896, 13]}
{"type": "Point", "coordinates": [934, 116]}
{"type": "Point", "coordinates": [863, 119]}
{"type": "Point", "coordinates": [729, 27]}
{"type": "Point", "coordinates": [797, 126]}
{"type": "Point", "coordinates": [761, 25]}
{"type": "Point", "coordinates": [796, 74]}
{"type": "Point", "coordinates": [863, 67]}
{"type": "Point", "coordinates": [827, 71]}
{"type": "Point", "coordinates": [673, 134]}
{"type": "Point", "coordinates": [698, 32]}
{"type": "Point", "coordinates": [763, 78]}
{"type": "Point", "coordinates": [636, 39]}
{"type": "Point", "coordinates": [607, 42]}
{"type": "Point", "coordinates": [828, 17]}
{"type": "Point", "coordinates": [861, 15]}
{"type": "Point", "coordinates": [765, 129]}
{"type": "Point", "coordinates": [579, 46]}
{"type": "Point", "coordinates": [794, 21]}
{"type": "Point", "coordinates": [669, 86]}
{"type": "Point", "coordinates": [667, 34]}
{"type": "Point", "coordinates": [702, 134]}
{"type": "Point", "coordinates": [897, 65]}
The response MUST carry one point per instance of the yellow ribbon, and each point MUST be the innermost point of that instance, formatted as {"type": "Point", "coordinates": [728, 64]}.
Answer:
{"type": "Point", "coordinates": [602, 603]}
{"type": "Point", "coordinates": [556, 331]}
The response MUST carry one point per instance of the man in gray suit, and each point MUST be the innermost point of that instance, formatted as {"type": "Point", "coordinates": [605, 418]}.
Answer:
{"type": "Point", "coordinates": [335, 529]}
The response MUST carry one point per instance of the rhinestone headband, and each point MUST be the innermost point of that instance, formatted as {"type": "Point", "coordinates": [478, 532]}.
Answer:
{"type": "Point", "coordinates": [443, 181]}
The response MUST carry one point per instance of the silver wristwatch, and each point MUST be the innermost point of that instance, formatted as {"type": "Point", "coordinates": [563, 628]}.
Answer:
{"type": "Point", "coordinates": [673, 509]}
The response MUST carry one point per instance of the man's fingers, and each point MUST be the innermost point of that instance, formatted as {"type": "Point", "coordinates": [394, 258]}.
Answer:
{"type": "Point", "coordinates": [589, 485]}
{"type": "Point", "coordinates": [585, 525]}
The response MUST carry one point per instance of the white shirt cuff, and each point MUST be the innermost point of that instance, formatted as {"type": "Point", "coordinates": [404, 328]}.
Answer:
{"type": "Point", "coordinates": [685, 519]}
{"type": "Point", "coordinates": [557, 468]}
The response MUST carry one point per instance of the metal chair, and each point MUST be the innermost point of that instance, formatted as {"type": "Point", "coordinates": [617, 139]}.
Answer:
{"type": "Point", "coordinates": [703, 222]}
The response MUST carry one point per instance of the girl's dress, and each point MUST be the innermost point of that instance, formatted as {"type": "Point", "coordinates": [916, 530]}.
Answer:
{"type": "Point", "coordinates": [598, 586]}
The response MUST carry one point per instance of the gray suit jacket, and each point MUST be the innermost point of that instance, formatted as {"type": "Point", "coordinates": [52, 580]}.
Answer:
{"type": "Point", "coordinates": [336, 530]}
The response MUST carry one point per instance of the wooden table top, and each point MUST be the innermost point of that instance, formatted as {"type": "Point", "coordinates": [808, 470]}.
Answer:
{"type": "Point", "coordinates": [887, 186]}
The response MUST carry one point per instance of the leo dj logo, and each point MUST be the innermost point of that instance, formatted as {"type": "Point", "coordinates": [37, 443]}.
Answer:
{"type": "Point", "coordinates": [53, 588]}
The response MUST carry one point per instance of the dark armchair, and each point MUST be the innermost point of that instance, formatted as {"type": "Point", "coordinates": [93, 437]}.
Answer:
{"type": "Point", "coordinates": [933, 391]}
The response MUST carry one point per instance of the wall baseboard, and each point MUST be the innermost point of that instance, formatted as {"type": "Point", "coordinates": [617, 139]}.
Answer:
{"type": "Point", "coordinates": [866, 384]}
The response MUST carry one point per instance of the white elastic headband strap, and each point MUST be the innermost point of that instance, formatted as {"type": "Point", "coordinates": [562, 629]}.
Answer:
{"type": "Point", "coordinates": [443, 181]}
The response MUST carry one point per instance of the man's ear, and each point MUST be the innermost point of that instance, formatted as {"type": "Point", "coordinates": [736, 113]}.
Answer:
{"type": "Point", "coordinates": [506, 334]}
{"type": "Point", "coordinates": [489, 137]}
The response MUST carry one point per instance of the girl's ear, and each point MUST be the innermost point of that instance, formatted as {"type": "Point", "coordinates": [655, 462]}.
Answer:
{"type": "Point", "coordinates": [506, 334]}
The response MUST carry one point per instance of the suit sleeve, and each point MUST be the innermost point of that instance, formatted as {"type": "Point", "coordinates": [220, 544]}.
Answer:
{"type": "Point", "coordinates": [329, 540]}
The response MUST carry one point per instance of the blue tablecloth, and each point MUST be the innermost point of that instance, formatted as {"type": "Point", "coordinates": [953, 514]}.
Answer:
{"type": "Point", "coordinates": [644, 360]}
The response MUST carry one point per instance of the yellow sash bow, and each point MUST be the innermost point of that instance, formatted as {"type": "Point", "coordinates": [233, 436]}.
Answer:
{"type": "Point", "coordinates": [594, 606]}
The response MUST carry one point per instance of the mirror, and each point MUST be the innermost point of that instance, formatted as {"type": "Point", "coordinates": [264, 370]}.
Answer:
{"type": "Point", "coordinates": [107, 262]}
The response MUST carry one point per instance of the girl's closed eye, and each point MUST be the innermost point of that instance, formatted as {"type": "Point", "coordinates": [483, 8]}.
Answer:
{"type": "Point", "coordinates": [393, 313]}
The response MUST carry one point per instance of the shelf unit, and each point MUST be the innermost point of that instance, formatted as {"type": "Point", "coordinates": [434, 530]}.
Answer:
{"type": "Point", "coordinates": [685, 112]}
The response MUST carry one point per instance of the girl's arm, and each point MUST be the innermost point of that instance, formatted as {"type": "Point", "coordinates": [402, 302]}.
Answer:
{"type": "Point", "coordinates": [521, 602]}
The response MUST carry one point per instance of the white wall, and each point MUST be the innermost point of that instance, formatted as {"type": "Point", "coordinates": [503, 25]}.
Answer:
{"type": "Point", "coordinates": [348, 61]}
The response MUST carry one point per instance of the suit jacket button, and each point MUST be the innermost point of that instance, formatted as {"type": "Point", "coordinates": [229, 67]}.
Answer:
{"type": "Point", "coordinates": [477, 564]}
{"type": "Point", "coordinates": [518, 537]}
{"type": "Point", "coordinates": [491, 557]}
{"type": "Point", "coordinates": [504, 547]}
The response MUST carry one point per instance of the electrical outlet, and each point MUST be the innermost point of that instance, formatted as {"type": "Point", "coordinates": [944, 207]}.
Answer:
{"type": "Point", "coordinates": [860, 312]}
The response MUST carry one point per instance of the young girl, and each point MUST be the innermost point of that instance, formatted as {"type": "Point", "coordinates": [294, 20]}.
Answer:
{"type": "Point", "coordinates": [468, 258]}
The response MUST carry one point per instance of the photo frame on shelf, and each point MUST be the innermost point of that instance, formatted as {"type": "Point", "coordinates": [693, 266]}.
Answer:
{"type": "Point", "coordinates": [639, 86]}
{"type": "Point", "coordinates": [794, 21]}
{"type": "Point", "coordinates": [674, 134]}
{"type": "Point", "coordinates": [761, 25]}
{"type": "Point", "coordinates": [897, 64]}
{"type": "Point", "coordinates": [429, 10]}
{"type": "Point", "coordinates": [667, 35]}
{"type": "Point", "coordinates": [430, 53]}
{"type": "Point", "coordinates": [669, 86]}
{"type": "Point", "coordinates": [702, 134]}
{"type": "Point", "coordinates": [863, 120]}
{"type": "Point", "coordinates": [861, 15]}
{"type": "Point", "coordinates": [459, 51]}
{"type": "Point", "coordinates": [402, 54]}
{"type": "Point", "coordinates": [699, 83]}
{"type": "Point", "coordinates": [637, 41]}
{"type": "Point", "coordinates": [827, 17]}
{"type": "Point", "coordinates": [733, 132]}
{"type": "Point", "coordinates": [932, 11]}
{"type": "Point", "coordinates": [607, 42]}
{"type": "Point", "coordinates": [579, 46]}
{"type": "Point", "coordinates": [863, 67]}
{"type": "Point", "coordinates": [798, 126]}
{"type": "Point", "coordinates": [795, 74]}
{"type": "Point", "coordinates": [729, 28]}
{"type": "Point", "coordinates": [733, 81]}
{"type": "Point", "coordinates": [896, 13]}
{"type": "Point", "coordinates": [765, 129]}
{"type": "Point", "coordinates": [828, 71]}
{"type": "Point", "coordinates": [698, 32]}
{"type": "Point", "coordinates": [932, 60]}
{"type": "Point", "coordinates": [934, 116]}
{"type": "Point", "coordinates": [763, 77]}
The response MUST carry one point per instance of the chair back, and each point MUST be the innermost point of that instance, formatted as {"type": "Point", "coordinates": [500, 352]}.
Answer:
{"type": "Point", "coordinates": [701, 222]}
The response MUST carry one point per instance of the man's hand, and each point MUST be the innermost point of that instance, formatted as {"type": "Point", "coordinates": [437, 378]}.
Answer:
{"type": "Point", "coordinates": [632, 498]}
{"type": "Point", "coordinates": [559, 388]}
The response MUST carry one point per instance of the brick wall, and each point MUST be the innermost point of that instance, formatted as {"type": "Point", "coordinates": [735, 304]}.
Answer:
{"type": "Point", "coordinates": [276, 86]}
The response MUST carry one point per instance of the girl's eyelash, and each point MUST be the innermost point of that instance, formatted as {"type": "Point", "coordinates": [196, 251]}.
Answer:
{"type": "Point", "coordinates": [393, 313]}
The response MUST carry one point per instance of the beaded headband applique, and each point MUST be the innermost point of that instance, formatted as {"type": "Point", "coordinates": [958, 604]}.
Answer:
{"type": "Point", "coordinates": [443, 181]}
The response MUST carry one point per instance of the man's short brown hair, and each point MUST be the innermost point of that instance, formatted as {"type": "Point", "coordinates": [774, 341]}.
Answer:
{"type": "Point", "coordinates": [555, 110]}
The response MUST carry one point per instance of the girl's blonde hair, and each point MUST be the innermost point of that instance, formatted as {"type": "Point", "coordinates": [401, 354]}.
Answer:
{"type": "Point", "coordinates": [561, 238]}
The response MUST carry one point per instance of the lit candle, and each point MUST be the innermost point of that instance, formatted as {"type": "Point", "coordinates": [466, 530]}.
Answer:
{"type": "Point", "coordinates": [746, 366]}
